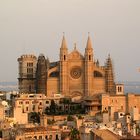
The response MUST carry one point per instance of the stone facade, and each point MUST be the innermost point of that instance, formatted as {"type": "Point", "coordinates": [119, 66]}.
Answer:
{"type": "Point", "coordinates": [74, 75]}
{"type": "Point", "coordinates": [27, 70]}
{"type": "Point", "coordinates": [121, 103]}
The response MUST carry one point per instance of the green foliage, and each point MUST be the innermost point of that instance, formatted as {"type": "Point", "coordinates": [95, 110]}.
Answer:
{"type": "Point", "coordinates": [80, 117]}
{"type": "Point", "coordinates": [74, 134]}
{"type": "Point", "coordinates": [70, 118]}
{"type": "Point", "coordinates": [34, 117]}
{"type": "Point", "coordinates": [50, 121]}
{"type": "Point", "coordinates": [52, 107]}
{"type": "Point", "coordinates": [66, 107]}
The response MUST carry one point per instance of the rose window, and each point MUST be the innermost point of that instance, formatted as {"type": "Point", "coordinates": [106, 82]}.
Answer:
{"type": "Point", "coordinates": [76, 72]}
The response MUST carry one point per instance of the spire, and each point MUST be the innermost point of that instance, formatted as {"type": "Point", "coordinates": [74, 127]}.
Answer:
{"type": "Point", "coordinates": [97, 62]}
{"type": "Point", "coordinates": [89, 44]}
{"type": "Point", "coordinates": [109, 61]}
{"type": "Point", "coordinates": [109, 74]}
{"type": "Point", "coordinates": [64, 44]}
{"type": "Point", "coordinates": [74, 46]}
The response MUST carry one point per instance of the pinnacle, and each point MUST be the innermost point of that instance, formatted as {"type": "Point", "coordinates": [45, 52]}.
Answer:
{"type": "Point", "coordinates": [64, 44]}
{"type": "Point", "coordinates": [89, 44]}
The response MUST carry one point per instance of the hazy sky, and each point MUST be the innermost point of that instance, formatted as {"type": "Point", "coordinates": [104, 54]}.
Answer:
{"type": "Point", "coordinates": [36, 26]}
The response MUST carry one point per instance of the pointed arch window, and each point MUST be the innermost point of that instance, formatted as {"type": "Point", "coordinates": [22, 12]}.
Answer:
{"type": "Point", "coordinates": [54, 74]}
{"type": "Point", "coordinates": [89, 57]}
{"type": "Point", "coordinates": [64, 57]}
{"type": "Point", "coordinates": [97, 74]}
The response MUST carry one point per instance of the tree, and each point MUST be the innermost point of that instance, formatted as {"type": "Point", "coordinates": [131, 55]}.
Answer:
{"type": "Point", "coordinates": [74, 134]}
{"type": "Point", "coordinates": [47, 110]}
{"type": "Point", "coordinates": [35, 117]}
{"type": "Point", "coordinates": [70, 118]}
{"type": "Point", "coordinates": [53, 107]}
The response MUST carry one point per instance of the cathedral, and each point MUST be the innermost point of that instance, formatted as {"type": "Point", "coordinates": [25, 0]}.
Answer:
{"type": "Point", "coordinates": [73, 75]}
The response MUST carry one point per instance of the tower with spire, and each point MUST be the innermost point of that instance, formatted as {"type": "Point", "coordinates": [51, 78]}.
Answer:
{"type": "Point", "coordinates": [63, 67]}
{"type": "Point", "coordinates": [88, 67]}
{"type": "Point", "coordinates": [109, 76]}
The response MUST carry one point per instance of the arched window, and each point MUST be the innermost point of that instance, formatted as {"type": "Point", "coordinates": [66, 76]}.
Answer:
{"type": "Point", "coordinates": [64, 57]}
{"type": "Point", "coordinates": [54, 74]}
{"type": "Point", "coordinates": [89, 57]}
{"type": "Point", "coordinates": [97, 74]}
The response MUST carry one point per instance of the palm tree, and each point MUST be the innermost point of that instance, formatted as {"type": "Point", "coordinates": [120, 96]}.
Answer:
{"type": "Point", "coordinates": [74, 134]}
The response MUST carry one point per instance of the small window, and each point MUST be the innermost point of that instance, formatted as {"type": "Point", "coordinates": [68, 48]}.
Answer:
{"type": "Point", "coordinates": [120, 89]}
{"type": "Point", "coordinates": [54, 74]}
{"type": "Point", "coordinates": [89, 57]}
{"type": "Point", "coordinates": [64, 57]}
{"type": "Point", "coordinates": [56, 136]}
{"type": "Point", "coordinates": [33, 108]}
{"type": "Point", "coordinates": [27, 102]}
{"type": "Point", "coordinates": [46, 137]}
{"type": "Point", "coordinates": [47, 102]}
{"type": "Point", "coordinates": [27, 108]}
{"type": "Point", "coordinates": [97, 74]}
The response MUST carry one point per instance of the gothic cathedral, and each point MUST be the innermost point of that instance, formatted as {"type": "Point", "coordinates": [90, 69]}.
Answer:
{"type": "Point", "coordinates": [74, 75]}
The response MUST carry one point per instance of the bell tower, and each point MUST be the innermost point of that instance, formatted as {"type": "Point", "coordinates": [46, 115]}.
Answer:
{"type": "Point", "coordinates": [64, 67]}
{"type": "Point", "coordinates": [88, 68]}
{"type": "Point", "coordinates": [109, 76]}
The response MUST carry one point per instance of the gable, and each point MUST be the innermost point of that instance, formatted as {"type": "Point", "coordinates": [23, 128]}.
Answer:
{"type": "Point", "coordinates": [75, 55]}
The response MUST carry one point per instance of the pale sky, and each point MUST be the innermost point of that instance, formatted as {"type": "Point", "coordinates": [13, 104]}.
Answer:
{"type": "Point", "coordinates": [37, 26]}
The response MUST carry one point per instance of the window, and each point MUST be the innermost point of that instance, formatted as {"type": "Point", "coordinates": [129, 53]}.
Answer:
{"type": "Point", "coordinates": [57, 137]}
{"type": "Point", "coordinates": [47, 102]}
{"type": "Point", "coordinates": [54, 74]}
{"type": "Point", "coordinates": [89, 57]}
{"type": "Point", "coordinates": [20, 102]}
{"type": "Point", "coordinates": [46, 137]}
{"type": "Point", "coordinates": [33, 108]}
{"type": "Point", "coordinates": [29, 70]}
{"type": "Point", "coordinates": [27, 108]}
{"type": "Point", "coordinates": [97, 74]}
{"type": "Point", "coordinates": [40, 137]}
{"type": "Point", "coordinates": [120, 89]}
{"type": "Point", "coordinates": [30, 64]}
{"type": "Point", "coordinates": [64, 57]}
{"type": "Point", "coordinates": [27, 102]}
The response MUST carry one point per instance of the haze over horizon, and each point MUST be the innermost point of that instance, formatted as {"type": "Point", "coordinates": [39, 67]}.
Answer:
{"type": "Point", "coordinates": [37, 26]}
